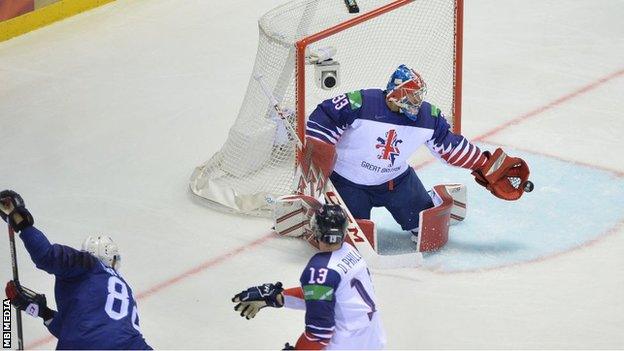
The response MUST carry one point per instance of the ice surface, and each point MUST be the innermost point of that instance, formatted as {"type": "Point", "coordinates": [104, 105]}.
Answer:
{"type": "Point", "coordinates": [103, 117]}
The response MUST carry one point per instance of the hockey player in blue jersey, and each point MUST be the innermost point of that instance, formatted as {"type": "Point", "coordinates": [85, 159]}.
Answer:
{"type": "Point", "coordinates": [336, 293]}
{"type": "Point", "coordinates": [96, 307]}
{"type": "Point", "coordinates": [362, 141]}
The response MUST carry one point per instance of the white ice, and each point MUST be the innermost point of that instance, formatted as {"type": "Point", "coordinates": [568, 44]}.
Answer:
{"type": "Point", "coordinates": [103, 117]}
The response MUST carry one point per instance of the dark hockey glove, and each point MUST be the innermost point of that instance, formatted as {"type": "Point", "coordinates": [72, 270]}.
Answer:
{"type": "Point", "coordinates": [13, 210]}
{"type": "Point", "coordinates": [20, 219]}
{"type": "Point", "coordinates": [9, 200]}
{"type": "Point", "coordinates": [12, 199]}
{"type": "Point", "coordinates": [250, 301]}
{"type": "Point", "coordinates": [28, 301]}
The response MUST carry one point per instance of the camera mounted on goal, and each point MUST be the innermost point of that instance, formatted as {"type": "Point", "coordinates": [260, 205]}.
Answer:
{"type": "Point", "coordinates": [326, 69]}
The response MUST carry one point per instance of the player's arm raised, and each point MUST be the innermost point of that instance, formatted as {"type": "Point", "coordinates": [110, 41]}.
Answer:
{"type": "Point", "coordinates": [60, 260]}
{"type": "Point", "coordinates": [502, 175]}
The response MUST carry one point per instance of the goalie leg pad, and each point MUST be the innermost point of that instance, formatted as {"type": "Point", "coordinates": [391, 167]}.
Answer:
{"type": "Point", "coordinates": [458, 193]}
{"type": "Point", "coordinates": [292, 214]}
{"type": "Point", "coordinates": [434, 222]}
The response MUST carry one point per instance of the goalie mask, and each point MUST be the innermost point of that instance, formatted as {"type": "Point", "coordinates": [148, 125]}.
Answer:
{"type": "Point", "coordinates": [406, 89]}
{"type": "Point", "coordinates": [329, 224]}
{"type": "Point", "coordinates": [104, 248]}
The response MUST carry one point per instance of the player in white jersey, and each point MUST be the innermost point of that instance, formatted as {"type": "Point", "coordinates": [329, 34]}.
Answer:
{"type": "Point", "coordinates": [336, 292]}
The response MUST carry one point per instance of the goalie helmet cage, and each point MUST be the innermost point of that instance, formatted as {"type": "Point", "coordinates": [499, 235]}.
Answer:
{"type": "Point", "coordinates": [258, 160]}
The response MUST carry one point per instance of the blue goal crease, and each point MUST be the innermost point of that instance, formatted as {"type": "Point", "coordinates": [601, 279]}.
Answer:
{"type": "Point", "coordinates": [570, 206]}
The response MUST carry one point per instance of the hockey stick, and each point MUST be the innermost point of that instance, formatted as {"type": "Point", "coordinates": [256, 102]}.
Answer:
{"type": "Point", "coordinates": [354, 231]}
{"type": "Point", "coordinates": [18, 317]}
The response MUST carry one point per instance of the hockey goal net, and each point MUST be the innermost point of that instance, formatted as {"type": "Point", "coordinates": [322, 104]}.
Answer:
{"type": "Point", "coordinates": [257, 162]}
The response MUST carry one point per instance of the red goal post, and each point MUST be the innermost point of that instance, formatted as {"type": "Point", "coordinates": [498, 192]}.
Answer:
{"type": "Point", "coordinates": [257, 162]}
{"type": "Point", "coordinates": [303, 44]}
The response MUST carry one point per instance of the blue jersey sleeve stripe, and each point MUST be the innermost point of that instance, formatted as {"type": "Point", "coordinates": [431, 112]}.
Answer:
{"type": "Point", "coordinates": [459, 148]}
{"type": "Point", "coordinates": [320, 335]}
{"type": "Point", "coordinates": [336, 132]}
{"type": "Point", "coordinates": [321, 136]}
{"type": "Point", "coordinates": [321, 317]}
{"type": "Point", "coordinates": [324, 333]}
{"type": "Point", "coordinates": [312, 126]}
{"type": "Point", "coordinates": [314, 338]}
{"type": "Point", "coordinates": [472, 152]}
{"type": "Point", "coordinates": [320, 328]}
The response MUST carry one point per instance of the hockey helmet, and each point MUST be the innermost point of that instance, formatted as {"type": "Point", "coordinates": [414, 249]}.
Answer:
{"type": "Point", "coordinates": [406, 89]}
{"type": "Point", "coordinates": [104, 248]}
{"type": "Point", "coordinates": [329, 224]}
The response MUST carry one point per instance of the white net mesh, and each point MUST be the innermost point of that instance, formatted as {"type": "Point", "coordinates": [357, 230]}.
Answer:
{"type": "Point", "coordinates": [257, 162]}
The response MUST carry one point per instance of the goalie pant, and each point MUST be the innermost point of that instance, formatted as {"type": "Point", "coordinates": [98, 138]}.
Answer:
{"type": "Point", "coordinates": [404, 199]}
{"type": "Point", "coordinates": [96, 307]}
{"type": "Point", "coordinates": [340, 303]}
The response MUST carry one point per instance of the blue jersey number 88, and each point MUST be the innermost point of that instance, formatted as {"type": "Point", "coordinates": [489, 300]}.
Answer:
{"type": "Point", "coordinates": [118, 297]}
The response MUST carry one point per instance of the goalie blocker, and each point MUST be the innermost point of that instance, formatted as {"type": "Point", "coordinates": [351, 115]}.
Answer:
{"type": "Point", "coordinates": [293, 213]}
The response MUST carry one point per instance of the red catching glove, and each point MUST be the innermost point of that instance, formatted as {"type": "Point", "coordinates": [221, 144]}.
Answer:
{"type": "Point", "coordinates": [503, 175]}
